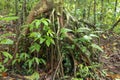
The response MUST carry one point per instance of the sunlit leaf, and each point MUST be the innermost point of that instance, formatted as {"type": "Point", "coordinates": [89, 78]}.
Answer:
{"type": "Point", "coordinates": [9, 18]}
{"type": "Point", "coordinates": [7, 55]}
{"type": "Point", "coordinates": [14, 61]}
{"type": "Point", "coordinates": [50, 32]}
{"type": "Point", "coordinates": [6, 41]}
{"type": "Point", "coordinates": [35, 76]}
{"type": "Point", "coordinates": [84, 29]}
{"type": "Point", "coordinates": [30, 62]}
{"type": "Point", "coordinates": [35, 47]}
{"type": "Point", "coordinates": [24, 56]}
{"type": "Point", "coordinates": [88, 38]}
{"type": "Point", "coordinates": [93, 35]}
{"type": "Point", "coordinates": [65, 30]}
{"type": "Point", "coordinates": [35, 35]}
{"type": "Point", "coordinates": [49, 41]}
{"type": "Point", "coordinates": [37, 23]}
{"type": "Point", "coordinates": [41, 40]}
{"type": "Point", "coordinates": [36, 60]}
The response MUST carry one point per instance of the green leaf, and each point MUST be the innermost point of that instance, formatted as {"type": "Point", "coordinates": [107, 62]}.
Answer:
{"type": "Point", "coordinates": [24, 56]}
{"type": "Point", "coordinates": [5, 60]}
{"type": "Point", "coordinates": [98, 32]}
{"type": "Point", "coordinates": [93, 35]}
{"type": "Point", "coordinates": [84, 49]}
{"type": "Point", "coordinates": [36, 60]}
{"type": "Point", "coordinates": [37, 24]}
{"type": "Point", "coordinates": [7, 35]}
{"type": "Point", "coordinates": [14, 61]}
{"type": "Point", "coordinates": [50, 32]}
{"type": "Point", "coordinates": [97, 47]}
{"type": "Point", "coordinates": [35, 76]}
{"type": "Point", "coordinates": [42, 61]}
{"type": "Point", "coordinates": [30, 62]}
{"type": "Point", "coordinates": [65, 30]}
{"type": "Point", "coordinates": [45, 21]}
{"type": "Point", "coordinates": [41, 40]}
{"type": "Point", "coordinates": [35, 35]}
{"type": "Point", "coordinates": [7, 55]}
{"type": "Point", "coordinates": [84, 29]}
{"type": "Point", "coordinates": [31, 26]}
{"type": "Point", "coordinates": [6, 41]}
{"type": "Point", "coordinates": [9, 18]}
{"type": "Point", "coordinates": [86, 37]}
{"type": "Point", "coordinates": [35, 47]}
{"type": "Point", "coordinates": [49, 41]}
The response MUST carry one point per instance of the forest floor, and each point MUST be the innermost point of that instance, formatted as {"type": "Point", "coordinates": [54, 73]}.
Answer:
{"type": "Point", "coordinates": [111, 56]}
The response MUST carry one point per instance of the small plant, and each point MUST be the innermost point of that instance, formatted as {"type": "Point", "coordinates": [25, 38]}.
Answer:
{"type": "Point", "coordinates": [86, 71]}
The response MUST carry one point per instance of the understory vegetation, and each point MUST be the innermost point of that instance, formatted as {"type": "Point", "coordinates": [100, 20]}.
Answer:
{"type": "Point", "coordinates": [55, 39]}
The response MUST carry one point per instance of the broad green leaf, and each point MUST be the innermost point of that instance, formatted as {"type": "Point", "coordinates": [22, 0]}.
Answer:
{"type": "Point", "coordinates": [35, 47]}
{"type": "Point", "coordinates": [65, 30]}
{"type": "Point", "coordinates": [93, 35]}
{"type": "Point", "coordinates": [31, 26]}
{"type": "Point", "coordinates": [37, 24]}
{"type": "Point", "coordinates": [24, 56]}
{"type": "Point", "coordinates": [97, 47]}
{"type": "Point", "coordinates": [9, 18]}
{"type": "Point", "coordinates": [84, 29]}
{"type": "Point", "coordinates": [6, 41]}
{"type": "Point", "coordinates": [35, 35]}
{"type": "Point", "coordinates": [41, 40]}
{"type": "Point", "coordinates": [6, 60]}
{"type": "Point", "coordinates": [52, 41]}
{"type": "Point", "coordinates": [50, 32]}
{"type": "Point", "coordinates": [48, 42]}
{"type": "Point", "coordinates": [30, 62]}
{"type": "Point", "coordinates": [87, 37]}
{"type": "Point", "coordinates": [37, 60]}
{"type": "Point", "coordinates": [45, 21]}
{"type": "Point", "coordinates": [14, 61]}
{"type": "Point", "coordinates": [42, 61]}
{"type": "Point", "coordinates": [35, 76]}
{"type": "Point", "coordinates": [7, 55]}
{"type": "Point", "coordinates": [98, 32]}
{"type": "Point", "coordinates": [7, 35]}
{"type": "Point", "coordinates": [84, 49]}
